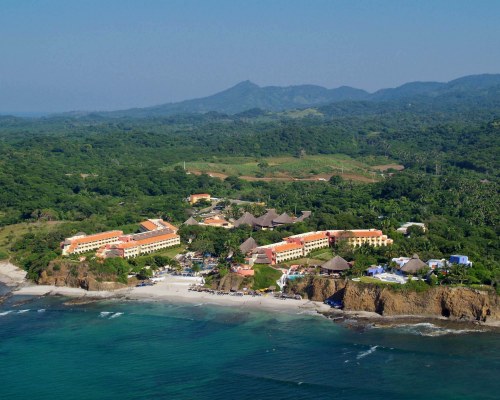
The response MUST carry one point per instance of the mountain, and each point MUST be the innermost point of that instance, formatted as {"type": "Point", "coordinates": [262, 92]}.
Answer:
{"type": "Point", "coordinates": [246, 96]}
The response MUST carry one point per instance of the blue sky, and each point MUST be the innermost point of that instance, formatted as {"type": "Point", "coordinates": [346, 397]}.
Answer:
{"type": "Point", "coordinates": [60, 55]}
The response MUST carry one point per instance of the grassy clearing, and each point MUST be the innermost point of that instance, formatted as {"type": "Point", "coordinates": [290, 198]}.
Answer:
{"type": "Point", "coordinates": [10, 233]}
{"type": "Point", "coordinates": [307, 167]}
{"type": "Point", "coordinates": [322, 254]}
{"type": "Point", "coordinates": [170, 252]}
{"type": "Point", "coordinates": [368, 279]}
{"type": "Point", "coordinates": [265, 276]}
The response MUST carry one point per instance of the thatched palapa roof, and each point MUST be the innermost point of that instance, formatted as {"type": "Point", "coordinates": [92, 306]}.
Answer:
{"type": "Point", "coordinates": [191, 221]}
{"type": "Point", "coordinates": [305, 215]}
{"type": "Point", "coordinates": [414, 265]}
{"type": "Point", "coordinates": [337, 263]}
{"type": "Point", "coordinates": [283, 219]}
{"type": "Point", "coordinates": [266, 220]}
{"type": "Point", "coordinates": [248, 245]}
{"type": "Point", "coordinates": [245, 219]}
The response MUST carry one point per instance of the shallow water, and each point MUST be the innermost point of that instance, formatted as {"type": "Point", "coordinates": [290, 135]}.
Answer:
{"type": "Point", "coordinates": [147, 350]}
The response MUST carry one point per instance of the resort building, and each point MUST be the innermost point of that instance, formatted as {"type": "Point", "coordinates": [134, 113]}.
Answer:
{"type": "Point", "coordinates": [459, 259]}
{"type": "Point", "coordinates": [82, 243]}
{"type": "Point", "coordinates": [358, 237]}
{"type": "Point", "coordinates": [146, 245]}
{"type": "Point", "coordinates": [156, 225]}
{"type": "Point", "coordinates": [310, 240]}
{"type": "Point", "coordinates": [278, 252]}
{"type": "Point", "coordinates": [243, 270]}
{"type": "Point", "coordinates": [194, 198]}
{"type": "Point", "coordinates": [155, 235]}
{"type": "Point", "coordinates": [436, 264]}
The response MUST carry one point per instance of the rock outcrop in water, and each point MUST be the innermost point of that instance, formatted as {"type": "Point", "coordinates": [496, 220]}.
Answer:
{"type": "Point", "coordinates": [456, 303]}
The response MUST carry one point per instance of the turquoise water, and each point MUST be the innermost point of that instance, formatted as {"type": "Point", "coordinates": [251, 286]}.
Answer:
{"type": "Point", "coordinates": [141, 350]}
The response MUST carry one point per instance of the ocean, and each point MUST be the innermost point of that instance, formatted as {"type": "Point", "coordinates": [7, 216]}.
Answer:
{"type": "Point", "coordinates": [157, 350]}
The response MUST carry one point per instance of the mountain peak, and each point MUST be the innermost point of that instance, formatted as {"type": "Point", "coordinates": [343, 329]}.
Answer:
{"type": "Point", "coordinates": [246, 85]}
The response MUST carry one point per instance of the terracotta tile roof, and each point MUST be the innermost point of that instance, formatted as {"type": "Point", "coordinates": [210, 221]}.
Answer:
{"type": "Point", "coordinates": [157, 238]}
{"type": "Point", "coordinates": [168, 225]}
{"type": "Point", "coordinates": [314, 236]}
{"type": "Point", "coordinates": [286, 247]}
{"type": "Point", "coordinates": [358, 234]}
{"type": "Point", "coordinates": [97, 236]}
{"type": "Point", "coordinates": [154, 239]}
{"type": "Point", "coordinates": [149, 225]}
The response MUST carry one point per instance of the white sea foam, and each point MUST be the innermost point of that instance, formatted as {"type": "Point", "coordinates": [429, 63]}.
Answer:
{"type": "Point", "coordinates": [5, 313]}
{"type": "Point", "coordinates": [429, 329]}
{"type": "Point", "coordinates": [116, 315]}
{"type": "Point", "coordinates": [41, 310]}
{"type": "Point", "coordinates": [366, 353]}
{"type": "Point", "coordinates": [23, 311]}
{"type": "Point", "coordinates": [105, 313]}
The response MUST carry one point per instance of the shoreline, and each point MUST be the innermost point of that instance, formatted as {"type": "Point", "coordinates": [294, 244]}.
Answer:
{"type": "Point", "coordinates": [11, 275]}
{"type": "Point", "coordinates": [175, 289]}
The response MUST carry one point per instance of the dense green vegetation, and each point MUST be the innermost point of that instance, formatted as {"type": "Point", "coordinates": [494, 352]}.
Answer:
{"type": "Point", "coordinates": [96, 173]}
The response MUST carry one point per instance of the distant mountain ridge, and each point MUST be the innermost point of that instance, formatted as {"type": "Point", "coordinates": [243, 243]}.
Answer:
{"type": "Point", "coordinates": [247, 96]}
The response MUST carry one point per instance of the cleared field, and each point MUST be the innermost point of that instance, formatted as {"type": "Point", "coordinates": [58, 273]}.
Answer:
{"type": "Point", "coordinates": [316, 167]}
{"type": "Point", "coordinates": [10, 233]}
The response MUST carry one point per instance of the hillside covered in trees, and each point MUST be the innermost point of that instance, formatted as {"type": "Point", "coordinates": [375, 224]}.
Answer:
{"type": "Point", "coordinates": [95, 172]}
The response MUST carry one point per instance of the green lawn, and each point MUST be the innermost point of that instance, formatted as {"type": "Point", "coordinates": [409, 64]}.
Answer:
{"type": "Point", "coordinates": [369, 279]}
{"type": "Point", "coordinates": [265, 276]}
{"type": "Point", "coordinates": [170, 252]}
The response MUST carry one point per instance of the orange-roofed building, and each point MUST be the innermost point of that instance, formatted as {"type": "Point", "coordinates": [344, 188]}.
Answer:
{"type": "Point", "coordinates": [280, 252]}
{"type": "Point", "coordinates": [194, 198]}
{"type": "Point", "coordinates": [134, 248]}
{"type": "Point", "coordinates": [82, 243]}
{"type": "Point", "coordinates": [357, 237]}
{"type": "Point", "coordinates": [156, 224]}
{"type": "Point", "coordinates": [310, 240]}
{"type": "Point", "coordinates": [244, 270]}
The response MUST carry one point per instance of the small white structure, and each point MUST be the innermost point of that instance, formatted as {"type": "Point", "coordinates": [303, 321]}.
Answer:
{"type": "Point", "coordinates": [401, 261]}
{"type": "Point", "coordinates": [404, 228]}
{"type": "Point", "coordinates": [436, 264]}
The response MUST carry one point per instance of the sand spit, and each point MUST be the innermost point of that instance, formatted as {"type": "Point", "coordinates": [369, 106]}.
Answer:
{"type": "Point", "coordinates": [11, 275]}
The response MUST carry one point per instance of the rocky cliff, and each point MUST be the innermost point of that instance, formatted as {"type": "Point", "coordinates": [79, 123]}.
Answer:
{"type": "Point", "coordinates": [70, 274]}
{"type": "Point", "coordinates": [456, 303]}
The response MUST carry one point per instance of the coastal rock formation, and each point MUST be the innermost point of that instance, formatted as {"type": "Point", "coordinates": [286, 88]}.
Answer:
{"type": "Point", "coordinates": [229, 282]}
{"type": "Point", "coordinates": [458, 303]}
{"type": "Point", "coordinates": [78, 276]}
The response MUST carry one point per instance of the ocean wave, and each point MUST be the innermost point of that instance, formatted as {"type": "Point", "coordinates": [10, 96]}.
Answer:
{"type": "Point", "coordinates": [430, 329]}
{"type": "Point", "coordinates": [116, 315]}
{"type": "Point", "coordinates": [103, 314]}
{"type": "Point", "coordinates": [41, 310]}
{"type": "Point", "coordinates": [23, 311]}
{"type": "Point", "coordinates": [366, 353]}
{"type": "Point", "coordinates": [5, 313]}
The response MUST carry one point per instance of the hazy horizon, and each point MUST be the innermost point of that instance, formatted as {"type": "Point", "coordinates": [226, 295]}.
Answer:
{"type": "Point", "coordinates": [69, 55]}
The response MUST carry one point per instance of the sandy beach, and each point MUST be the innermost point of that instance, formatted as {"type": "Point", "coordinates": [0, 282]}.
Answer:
{"type": "Point", "coordinates": [11, 275]}
{"type": "Point", "coordinates": [175, 289]}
